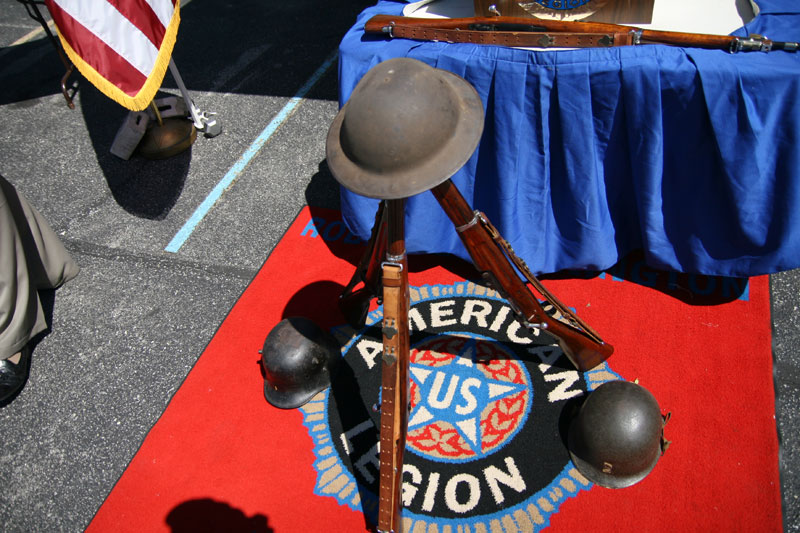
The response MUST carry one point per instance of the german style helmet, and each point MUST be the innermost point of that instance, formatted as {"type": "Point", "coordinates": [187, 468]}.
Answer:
{"type": "Point", "coordinates": [406, 128]}
{"type": "Point", "coordinates": [299, 360]}
{"type": "Point", "coordinates": [617, 436]}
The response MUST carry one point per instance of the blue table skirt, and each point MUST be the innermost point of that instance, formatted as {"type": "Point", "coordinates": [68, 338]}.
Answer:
{"type": "Point", "coordinates": [690, 155]}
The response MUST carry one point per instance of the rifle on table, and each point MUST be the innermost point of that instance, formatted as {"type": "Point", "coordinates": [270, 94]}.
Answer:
{"type": "Point", "coordinates": [519, 31]}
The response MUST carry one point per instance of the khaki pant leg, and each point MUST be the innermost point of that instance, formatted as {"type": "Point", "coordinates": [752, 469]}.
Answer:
{"type": "Point", "coordinates": [31, 258]}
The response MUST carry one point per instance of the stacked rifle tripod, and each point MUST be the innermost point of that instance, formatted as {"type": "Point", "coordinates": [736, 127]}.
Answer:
{"type": "Point", "coordinates": [406, 129]}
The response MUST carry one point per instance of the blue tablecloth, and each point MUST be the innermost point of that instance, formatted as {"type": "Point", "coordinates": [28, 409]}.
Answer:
{"type": "Point", "coordinates": [691, 155]}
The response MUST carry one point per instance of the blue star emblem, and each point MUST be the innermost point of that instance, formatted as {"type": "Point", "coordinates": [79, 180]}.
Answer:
{"type": "Point", "coordinates": [457, 394]}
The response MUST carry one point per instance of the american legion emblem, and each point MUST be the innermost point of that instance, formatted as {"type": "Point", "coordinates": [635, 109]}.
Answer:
{"type": "Point", "coordinates": [562, 4]}
{"type": "Point", "coordinates": [486, 448]}
{"type": "Point", "coordinates": [561, 9]}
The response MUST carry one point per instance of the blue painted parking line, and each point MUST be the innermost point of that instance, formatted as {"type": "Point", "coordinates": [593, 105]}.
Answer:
{"type": "Point", "coordinates": [227, 180]}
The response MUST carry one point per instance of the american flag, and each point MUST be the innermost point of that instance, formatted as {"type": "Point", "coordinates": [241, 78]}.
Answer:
{"type": "Point", "coordinates": [122, 47]}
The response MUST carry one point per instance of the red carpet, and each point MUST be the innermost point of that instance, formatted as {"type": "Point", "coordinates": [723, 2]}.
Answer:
{"type": "Point", "coordinates": [493, 458]}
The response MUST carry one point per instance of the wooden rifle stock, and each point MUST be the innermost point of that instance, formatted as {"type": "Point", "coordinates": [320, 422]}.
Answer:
{"type": "Point", "coordinates": [584, 348]}
{"type": "Point", "coordinates": [385, 23]}
{"type": "Point", "coordinates": [394, 372]}
{"type": "Point", "coordinates": [354, 303]}
{"type": "Point", "coordinates": [383, 270]}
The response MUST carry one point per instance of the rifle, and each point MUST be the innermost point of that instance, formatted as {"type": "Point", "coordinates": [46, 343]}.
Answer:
{"type": "Point", "coordinates": [383, 270]}
{"type": "Point", "coordinates": [493, 257]}
{"type": "Point", "coordinates": [394, 371]}
{"type": "Point", "coordinates": [519, 31]}
{"type": "Point", "coordinates": [354, 304]}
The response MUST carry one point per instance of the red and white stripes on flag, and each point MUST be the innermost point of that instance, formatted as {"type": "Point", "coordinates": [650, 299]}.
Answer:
{"type": "Point", "coordinates": [122, 47]}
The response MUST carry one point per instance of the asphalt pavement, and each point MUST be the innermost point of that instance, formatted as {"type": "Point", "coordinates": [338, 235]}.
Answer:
{"type": "Point", "coordinates": [125, 332]}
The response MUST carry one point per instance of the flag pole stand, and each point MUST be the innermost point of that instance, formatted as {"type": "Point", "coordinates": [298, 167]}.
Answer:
{"type": "Point", "coordinates": [35, 14]}
{"type": "Point", "coordinates": [204, 122]}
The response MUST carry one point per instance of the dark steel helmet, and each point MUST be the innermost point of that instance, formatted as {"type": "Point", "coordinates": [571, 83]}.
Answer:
{"type": "Point", "coordinates": [406, 128]}
{"type": "Point", "coordinates": [617, 436]}
{"type": "Point", "coordinates": [299, 360]}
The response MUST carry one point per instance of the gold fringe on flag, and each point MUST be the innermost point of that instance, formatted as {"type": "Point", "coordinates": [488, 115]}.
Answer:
{"type": "Point", "coordinates": [145, 95]}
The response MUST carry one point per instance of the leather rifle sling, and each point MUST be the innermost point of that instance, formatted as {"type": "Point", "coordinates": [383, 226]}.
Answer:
{"type": "Point", "coordinates": [510, 38]}
{"type": "Point", "coordinates": [394, 396]}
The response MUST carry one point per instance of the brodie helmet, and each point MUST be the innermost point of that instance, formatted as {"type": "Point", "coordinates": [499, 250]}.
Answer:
{"type": "Point", "coordinates": [299, 360]}
{"type": "Point", "coordinates": [406, 128]}
{"type": "Point", "coordinates": [617, 436]}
